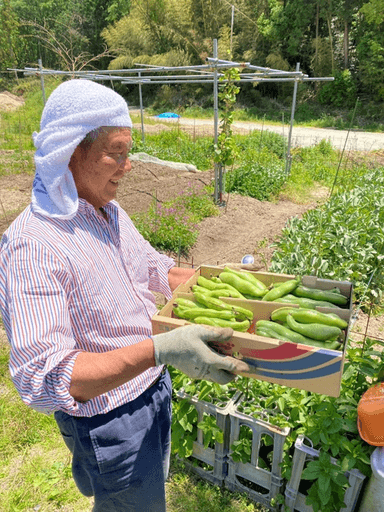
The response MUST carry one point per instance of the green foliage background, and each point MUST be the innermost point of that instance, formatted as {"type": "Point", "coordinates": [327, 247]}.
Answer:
{"type": "Point", "coordinates": [344, 39]}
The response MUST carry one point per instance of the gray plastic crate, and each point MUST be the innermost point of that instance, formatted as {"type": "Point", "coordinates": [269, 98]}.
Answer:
{"type": "Point", "coordinates": [260, 484]}
{"type": "Point", "coordinates": [296, 500]}
{"type": "Point", "coordinates": [217, 457]}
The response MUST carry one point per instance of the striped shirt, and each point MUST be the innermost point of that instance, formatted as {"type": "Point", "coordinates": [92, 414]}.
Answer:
{"type": "Point", "coordinates": [68, 286]}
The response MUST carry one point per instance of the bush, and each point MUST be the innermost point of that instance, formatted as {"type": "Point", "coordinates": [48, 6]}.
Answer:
{"type": "Point", "coordinates": [172, 226]}
{"type": "Point", "coordinates": [257, 180]}
{"type": "Point", "coordinates": [341, 92]}
{"type": "Point", "coordinates": [177, 146]}
{"type": "Point", "coordinates": [342, 240]}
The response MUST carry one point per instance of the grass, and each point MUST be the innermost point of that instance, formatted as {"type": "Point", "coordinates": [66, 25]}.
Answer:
{"type": "Point", "coordinates": [187, 493]}
{"type": "Point", "coordinates": [16, 162]}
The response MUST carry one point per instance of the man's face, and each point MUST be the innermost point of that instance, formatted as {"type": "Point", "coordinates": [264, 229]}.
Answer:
{"type": "Point", "coordinates": [98, 169]}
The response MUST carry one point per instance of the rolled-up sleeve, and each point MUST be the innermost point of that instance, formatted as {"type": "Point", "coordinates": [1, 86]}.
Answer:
{"type": "Point", "coordinates": [159, 266]}
{"type": "Point", "coordinates": [38, 325]}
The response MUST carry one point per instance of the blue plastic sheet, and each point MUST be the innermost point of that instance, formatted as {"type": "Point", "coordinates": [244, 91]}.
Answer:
{"type": "Point", "coordinates": [167, 115]}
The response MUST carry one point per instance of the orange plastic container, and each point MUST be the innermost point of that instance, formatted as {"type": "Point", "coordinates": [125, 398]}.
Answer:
{"type": "Point", "coordinates": [370, 415]}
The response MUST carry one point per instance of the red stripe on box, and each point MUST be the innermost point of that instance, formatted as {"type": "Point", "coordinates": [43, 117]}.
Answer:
{"type": "Point", "coordinates": [285, 351]}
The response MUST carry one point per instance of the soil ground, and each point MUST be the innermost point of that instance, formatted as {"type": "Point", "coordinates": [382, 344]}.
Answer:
{"type": "Point", "coordinates": [243, 226]}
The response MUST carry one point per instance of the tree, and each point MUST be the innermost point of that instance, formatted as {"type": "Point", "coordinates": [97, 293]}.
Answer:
{"type": "Point", "coordinates": [67, 46]}
{"type": "Point", "coordinates": [82, 20]}
{"type": "Point", "coordinates": [153, 33]}
{"type": "Point", "coordinates": [9, 30]}
{"type": "Point", "coordinates": [369, 36]}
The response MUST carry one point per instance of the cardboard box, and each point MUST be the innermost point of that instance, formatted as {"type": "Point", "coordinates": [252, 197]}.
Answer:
{"type": "Point", "coordinates": [289, 364]}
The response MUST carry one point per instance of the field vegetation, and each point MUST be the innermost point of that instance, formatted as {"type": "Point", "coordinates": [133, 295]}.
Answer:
{"type": "Point", "coordinates": [341, 239]}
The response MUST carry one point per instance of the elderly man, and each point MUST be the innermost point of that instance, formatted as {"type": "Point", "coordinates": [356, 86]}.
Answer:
{"type": "Point", "coordinates": [75, 295]}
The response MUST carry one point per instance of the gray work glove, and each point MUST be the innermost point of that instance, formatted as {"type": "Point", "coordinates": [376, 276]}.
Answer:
{"type": "Point", "coordinates": [186, 348]}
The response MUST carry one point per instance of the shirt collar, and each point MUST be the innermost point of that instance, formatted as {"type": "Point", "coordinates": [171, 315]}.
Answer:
{"type": "Point", "coordinates": [111, 207]}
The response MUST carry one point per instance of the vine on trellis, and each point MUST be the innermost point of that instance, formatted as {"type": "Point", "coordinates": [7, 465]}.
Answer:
{"type": "Point", "coordinates": [226, 150]}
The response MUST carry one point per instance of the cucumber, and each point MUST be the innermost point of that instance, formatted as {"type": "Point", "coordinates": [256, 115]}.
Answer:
{"type": "Point", "coordinates": [318, 332]}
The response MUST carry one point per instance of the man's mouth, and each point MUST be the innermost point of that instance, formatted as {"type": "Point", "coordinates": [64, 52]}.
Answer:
{"type": "Point", "coordinates": [115, 182]}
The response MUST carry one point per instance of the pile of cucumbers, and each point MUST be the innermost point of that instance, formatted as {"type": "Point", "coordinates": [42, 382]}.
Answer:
{"type": "Point", "coordinates": [305, 326]}
{"type": "Point", "coordinates": [298, 325]}
{"type": "Point", "coordinates": [244, 285]}
{"type": "Point", "coordinates": [213, 311]}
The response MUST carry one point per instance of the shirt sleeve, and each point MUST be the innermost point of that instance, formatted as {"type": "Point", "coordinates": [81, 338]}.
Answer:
{"type": "Point", "coordinates": [159, 264]}
{"type": "Point", "coordinates": [36, 287]}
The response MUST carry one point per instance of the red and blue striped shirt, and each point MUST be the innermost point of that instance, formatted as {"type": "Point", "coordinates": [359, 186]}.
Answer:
{"type": "Point", "coordinates": [68, 286]}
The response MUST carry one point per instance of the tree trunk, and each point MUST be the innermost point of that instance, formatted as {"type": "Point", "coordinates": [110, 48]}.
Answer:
{"type": "Point", "coordinates": [346, 44]}
{"type": "Point", "coordinates": [317, 34]}
{"type": "Point", "coordinates": [331, 42]}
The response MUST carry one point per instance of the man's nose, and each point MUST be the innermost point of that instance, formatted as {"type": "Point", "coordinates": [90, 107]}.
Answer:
{"type": "Point", "coordinates": [127, 165]}
{"type": "Point", "coordinates": [124, 163]}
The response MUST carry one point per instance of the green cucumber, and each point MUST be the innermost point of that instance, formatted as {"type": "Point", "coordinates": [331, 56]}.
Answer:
{"type": "Point", "coordinates": [248, 277]}
{"type": "Point", "coordinates": [304, 303]}
{"type": "Point", "coordinates": [317, 294]}
{"type": "Point", "coordinates": [242, 285]}
{"type": "Point", "coordinates": [310, 316]}
{"type": "Point", "coordinates": [318, 332]}
{"type": "Point", "coordinates": [219, 322]}
{"type": "Point", "coordinates": [280, 291]}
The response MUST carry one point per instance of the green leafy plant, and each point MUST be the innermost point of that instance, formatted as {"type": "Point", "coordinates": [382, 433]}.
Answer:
{"type": "Point", "coordinates": [184, 415]}
{"type": "Point", "coordinates": [256, 180]}
{"type": "Point", "coordinates": [327, 492]}
{"type": "Point", "coordinates": [341, 92]}
{"type": "Point", "coordinates": [176, 146]}
{"type": "Point", "coordinates": [329, 423]}
{"type": "Point", "coordinates": [172, 226]}
{"type": "Point", "coordinates": [212, 432]}
{"type": "Point", "coordinates": [241, 450]}
{"type": "Point", "coordinates": [342, 240]}
{"type": "Point", "coordinates": [184, 428]}
{"type": "Point", "coordinates": [167, 229]}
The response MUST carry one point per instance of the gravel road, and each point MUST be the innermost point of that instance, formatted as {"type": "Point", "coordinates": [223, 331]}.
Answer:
{"type": "Point", "coordinates": [352, 140]}
{"type": "Point", "coordinates": [303, 136]}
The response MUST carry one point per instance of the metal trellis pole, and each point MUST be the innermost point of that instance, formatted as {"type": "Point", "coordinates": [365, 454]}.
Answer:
{"type": "Point", "coordinates": [288, 161]}
{"type": "Point", "coordinates": [141, 111]}
{"type": "Point", "coordinates": [42, 79]}
{"type": "Point", "coordinates": [216, 118]}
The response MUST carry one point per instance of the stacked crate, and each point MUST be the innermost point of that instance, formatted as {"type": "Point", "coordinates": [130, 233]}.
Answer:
{"type": "Point", "coordinates": [295, 500]}
{"type": "Point", "coordinates": [260, 483]}
{"type": "Point", "coordinates": [215, 458]}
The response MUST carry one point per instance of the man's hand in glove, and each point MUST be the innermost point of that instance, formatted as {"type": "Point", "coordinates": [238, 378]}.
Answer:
{"type": "Point", "coordinates": [186, 348]}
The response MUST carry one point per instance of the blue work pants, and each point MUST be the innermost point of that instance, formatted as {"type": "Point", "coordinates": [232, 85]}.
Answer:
{"type": "Point", "coordinates": [122, 457]}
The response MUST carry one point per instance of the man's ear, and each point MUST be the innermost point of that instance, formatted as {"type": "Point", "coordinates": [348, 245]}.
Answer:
{"type": "Point", "coordinates": [76, 158]}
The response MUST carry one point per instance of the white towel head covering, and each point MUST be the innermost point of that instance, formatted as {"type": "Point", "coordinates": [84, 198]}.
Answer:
{"type": "Point", "coordinates": [74, 108]}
